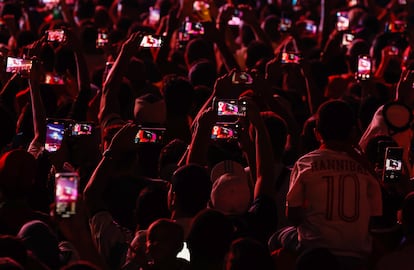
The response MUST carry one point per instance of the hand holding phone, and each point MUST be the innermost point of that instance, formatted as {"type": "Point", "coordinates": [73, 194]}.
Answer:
{"type": "Point", "coordinates": [241, 77]}
{"type": "Point", "coordinates": [230, 107]}
{"type": "Point", "coordinates": [150, 41]}
{"type": "Point", "coordinates": [342, 23]}
{"type": "Point", "coordinates": [364, 67]}
{"type": "Point", "coordinates": [18, 65]}
{"type": "Point", "coordinates": [102, 38]}
{"type": "Point", "coordinates": [290, 58]}
{"type": "Point", "coordinates": [149, 135]}
{"type": "Point", "coordinates": [225, 131]}
{"type": "Point", "coordinates": [393, 164]}
{"type": "Point", "coordinates": [66, 193]}
{"type": "Point", "coordinates": [56, 35]}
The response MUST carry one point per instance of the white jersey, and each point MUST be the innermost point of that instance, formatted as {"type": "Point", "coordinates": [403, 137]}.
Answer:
{"type": "Point", "coordinates": [339, 196]}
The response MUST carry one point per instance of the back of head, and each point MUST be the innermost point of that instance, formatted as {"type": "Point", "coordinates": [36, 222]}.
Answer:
{"type": "Point", "coordinates": [257, 51]}
{"type": "Point", "coordinates": [270, 27]}
{"type": "Point", "coordinates": [318, 258]}
{"type": "Point", "coordinates": [192, 187]}
{"type": "Point", "coordinates": [198, 49]}
{"type": "Point", "coordinates": [39, 238]}
{"type": "Point", "coordinates": [277, 129]}
{"type": "Point", "coordinates": [358, 46]}
{"type": "Point", "coordinates": [13, 247]}
{"type": "Point", "coordinates": [335, 121]}
{"type": "Point", "coordinates": [80, 265]}
{"type": "Point", "coordinates": [9, 264]}
{"type": "Point", "coordinates": [168, 233]}
{"type": "Point", "coordinates": [178, 94]}
{"type": "Point", "coordinates": [151, 205]}
{"type": "Point", "coordinates": [17, 172]}
{"type": "Point", "coordinates": [169, 157]}
{"type": "Point", "coordinates": [246, 254]}
{"type": "Point", "coordinates": [203, 72]}
{"type": "Point", "coordinates": [210, 237]}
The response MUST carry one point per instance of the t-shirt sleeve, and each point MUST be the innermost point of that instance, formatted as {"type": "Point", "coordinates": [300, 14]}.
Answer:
{"type": "Point", "coordinates": [109, 238]}
{"type": "Point", "coordinates": [296, 194]}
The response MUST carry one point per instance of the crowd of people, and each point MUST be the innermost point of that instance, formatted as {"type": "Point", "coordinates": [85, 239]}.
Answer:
{"type": "Point", "coordinates": [208, 135]}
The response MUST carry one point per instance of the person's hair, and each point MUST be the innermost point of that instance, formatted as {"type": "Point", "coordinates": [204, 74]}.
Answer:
{"type": "Point", "coordinates": [178, 94]}
{"type": "Point", "coordinates": [246, 35]}
{"type": "Point", "coordinates": [270, 27]}
{"type": "Point", "coordinates": [13, 247]}
{"type": "Point", "coordinates": [317, 258]}
{"type": "Point", "coordinates": [357, 47]}
{"type": "Point", "coordinates": [167, 231]}
{"type": "Point", "coordinates": [9, 264]}
{"type": "Point", "coordinates": [210, 236]}
{"type": "Point", "coordinates": [248, 253]}
{"type": "Point", "coordinates": [192, 187]}
{"type": "Point", "coordinates": [80, 265]}
{"type": "Point", "coordinates": [197, 49]}
{"type": "Point", "coordinates": [151, 205]}
{"type": "Point", "coordinates": [256, 51]}
{"type": "Point", "coordinates": [170, 155]}
{"type": "Point", "coordinates": [203, 72]}
{"type": "Point", "coordinates": [277, 129]}
{"type": "Point", "coordinates": [335, 120]}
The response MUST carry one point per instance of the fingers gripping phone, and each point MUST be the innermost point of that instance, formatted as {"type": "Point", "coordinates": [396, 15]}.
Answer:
{"type": "Point", "coordinates": [230, 107]}
{"type": "Point", "coordinates": [66, 193]}
{"type": "Point", "coordinates": [149, 135]}
{"type": "Point", "coordinates": [225, 131]}
{"type": "Point", "coordinates": [364, 67]}
{"type": "Point", "coordinates": [393, 164]}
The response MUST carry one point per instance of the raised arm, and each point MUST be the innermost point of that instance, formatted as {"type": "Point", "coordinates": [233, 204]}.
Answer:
{"type": "Point", "coordinates": [110, 106]}
{"type": "Point", "coordinates": [265, 180]}
{"type": "Point", "coordinates": [80, 106]}
{"type": "Point", "coordinates": [38, 110]}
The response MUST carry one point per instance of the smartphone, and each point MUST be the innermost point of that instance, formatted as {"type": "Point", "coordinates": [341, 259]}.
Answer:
{"type": "Point", "coordinates": [200, 6]}
{"type": "Point", "coordinates": [80, 129]}
{"type": "Point", "coordinates": [285, 24]}
{"type": "Point", "coordinates": [55, 35]}
{"type": "Point", "coordinates": [66, 193]}
{"type": "Point", "coordinates": [18, 65]}
{"type": "Point", "coordinates": [241, 77]}
{"type": "Point", "coordinates": [364, 67]}
{"type": "Point", "coordinates": [230, 107]}
{"type": "Point", "coordinates": [342, 22]}
{"type": "Point", "coordinates": [402, 2]}
{"type": "Point", "coordinates": [347, 39]}
{"type": "Point", "coordinates": [396, 27]}
{"type": "Point", "coordinates": [352, 3]}
{"type": "Point", "coordinates": [202, 9]}
{"type": "Point", "coordinates": [50, 2]}
{"type": "Point", "coordinates": [150, 135]}
{"type": "Point", "coordinates": [54, 79]}
{"type": "Point", "coordinates": [393, 164]}
{"type": "Point", "coordinates": [102, 38]}
{"type": "Point", "coordinates": [393, 50]}
{"type": "Point", "coordinates": [194, 28]}
{"type": "Point", "coordinates": [150, 41]}
{"type": "Point", "coordinates": [235, 18]}
{"type": "Point", "coordinates": [311, 28]}
{"type": "Point", "coordinates": [290, 58]}
{"type": "Point", "coordinates": [55, 131]}
{"type": "Point", "coordinates": [153, 15]}
{"type": "Point", "coordinates": [225, 131]}
{"type": "Point", "coordinates": [381, 148]}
